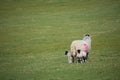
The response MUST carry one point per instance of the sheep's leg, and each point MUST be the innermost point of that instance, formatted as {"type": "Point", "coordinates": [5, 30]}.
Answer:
{"type": "Point", "coordinates": [79, 60]}
{"type": "Point", "coordinates": [87, 55]}
{"type": "Point", "coordinates": [84, 58]}
{"type": "Point", "coordinates": [72, 59]}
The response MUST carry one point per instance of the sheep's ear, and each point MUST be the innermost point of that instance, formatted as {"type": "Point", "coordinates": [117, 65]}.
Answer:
{"type": "Point", "coordinates": [86, 35]}
{"type": "Point", "coordinates": [66, 52]}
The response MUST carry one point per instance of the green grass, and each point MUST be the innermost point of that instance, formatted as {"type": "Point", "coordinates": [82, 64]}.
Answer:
{"type": "Point", "coordinates": [35, 33]}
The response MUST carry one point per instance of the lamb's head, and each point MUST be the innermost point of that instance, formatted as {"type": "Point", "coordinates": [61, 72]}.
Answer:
{"type": "Point", "coordinates": [69, 56]}
{"type": "Point", "coordinates": [78, 53]}
{"type": "Point", "coordinates": [68, 53]}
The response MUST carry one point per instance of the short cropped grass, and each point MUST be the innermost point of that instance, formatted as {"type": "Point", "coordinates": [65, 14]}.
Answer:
{"type": "Point", "coordinates": [35, 33]}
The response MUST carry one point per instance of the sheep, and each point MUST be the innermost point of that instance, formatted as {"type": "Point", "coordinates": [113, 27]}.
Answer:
{"type": "Point", "coordinates": [87, 39]}
{"type": "Point", "coordinates": [81, 55]}
{"type": "Point", "coordinates": [72, 53]}
{"type": "Point", "coordinates": [69, 56]}
{"type": "Point", "coordinates": [79, 49]}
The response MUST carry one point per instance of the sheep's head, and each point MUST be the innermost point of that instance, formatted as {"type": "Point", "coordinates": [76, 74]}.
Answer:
{"type": "Point", "coordinates": [87, 35]}
{"type": "Point", "coordinates": [69, 56]}
{"type": "Point", "coordinates": [68, 53]}
{"type": "Point", "coordinates": [87, 38]}
{"type": "Point", "coordinates": [78, 53]}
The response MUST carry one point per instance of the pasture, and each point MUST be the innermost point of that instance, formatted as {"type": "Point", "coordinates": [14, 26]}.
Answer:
{"type": "Point", "coordinates": [35, 33]}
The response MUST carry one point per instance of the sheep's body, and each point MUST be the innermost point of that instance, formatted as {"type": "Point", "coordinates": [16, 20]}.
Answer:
{"type": "Point", "coordinates": [79, 45]}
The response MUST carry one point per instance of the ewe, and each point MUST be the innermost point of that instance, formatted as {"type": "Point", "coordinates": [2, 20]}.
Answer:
{"type": "Point", "coordinates": [79, 49]}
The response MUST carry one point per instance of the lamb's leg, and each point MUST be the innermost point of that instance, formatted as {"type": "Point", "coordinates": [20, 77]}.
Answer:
{"type": "Point", "coordinates": [79, 60]}
{"type": "Point", "coordinates": [87, 55]}
{"type": "Point", "coordinates": [84, 58]}
{"type": "Point", "coordinates": [72, 59]}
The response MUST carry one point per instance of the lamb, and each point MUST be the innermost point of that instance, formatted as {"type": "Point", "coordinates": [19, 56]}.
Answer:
{"type": "Point", "coordinates": [81, 56]}
{"type": "Point", "coordinates": [79, 49]}
{"type": "Point", "coordinates": [70, 58]}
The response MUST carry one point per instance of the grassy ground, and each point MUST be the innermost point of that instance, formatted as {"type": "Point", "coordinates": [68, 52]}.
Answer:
{"type": "Point", "coordinates": [35, 33]}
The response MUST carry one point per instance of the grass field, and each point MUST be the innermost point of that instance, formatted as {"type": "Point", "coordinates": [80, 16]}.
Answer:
{"type": "Point", "coordinates": [35, 33]}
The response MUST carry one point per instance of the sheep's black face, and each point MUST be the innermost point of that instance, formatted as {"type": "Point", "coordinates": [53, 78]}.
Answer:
{"type": "Point", "coordinates": [66, 52]}
{"type": "Point", "coordinates": [78, 51]}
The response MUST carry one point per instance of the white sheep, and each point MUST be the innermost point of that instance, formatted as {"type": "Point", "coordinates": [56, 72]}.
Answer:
{"type": "Point", "coordinates": [79, 49]}
{"type": "Point", "coordinates": [68, 53]}
{"type": "Point", "coordinates": [81, 55]}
